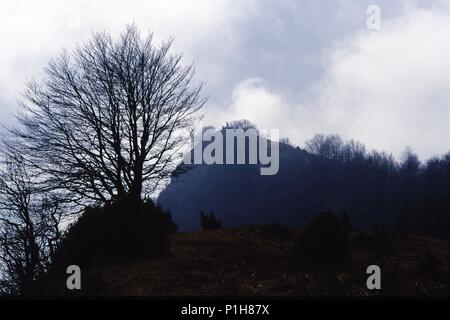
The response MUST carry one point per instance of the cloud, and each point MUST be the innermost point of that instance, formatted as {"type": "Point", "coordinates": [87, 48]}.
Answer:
{"type": "Point", "coordinates": [302, 66]}
{"type": "Point", "coordinates": [252, 99]}
{"type": "Point", "coordinates": [389, 89]}
{"type": "Point", "coordinates": [32, 32]}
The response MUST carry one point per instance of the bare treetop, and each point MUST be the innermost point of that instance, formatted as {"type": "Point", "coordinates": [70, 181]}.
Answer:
{"type": "Point", "coordinates": [109, 120]}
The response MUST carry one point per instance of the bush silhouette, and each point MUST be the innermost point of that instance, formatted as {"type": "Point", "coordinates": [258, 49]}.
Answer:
{"type": "Point", "coordinates": [346, 221]}
{"type": "Point", "coordinates": [115, 233]}
{"type": "Point", "coordinates": [429, 266]}
{"type": "Point", "coordinates": [276, 230]}
{"type": "Point", "coordinates": [324, 244]}
{"type": "Point", "coordinates": [209, 221]}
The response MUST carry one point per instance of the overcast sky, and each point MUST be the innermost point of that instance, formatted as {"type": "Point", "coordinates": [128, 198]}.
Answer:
{"type": "Point", "coordinates": [303, 66]}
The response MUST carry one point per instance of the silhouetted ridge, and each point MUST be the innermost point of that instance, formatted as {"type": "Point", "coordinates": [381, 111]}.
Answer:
{"type": "Point", "coordinates": [372, 188]}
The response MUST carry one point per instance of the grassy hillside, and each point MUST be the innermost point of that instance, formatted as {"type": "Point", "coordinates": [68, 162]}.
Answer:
{"type": "Point", "coordinates": [246, 262]}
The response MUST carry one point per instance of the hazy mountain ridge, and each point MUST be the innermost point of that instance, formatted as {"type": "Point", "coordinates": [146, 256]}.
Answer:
{"type": "Point", "coordinates": [372, 190]}
{"type": "Point", "coordinates": [239, 195]}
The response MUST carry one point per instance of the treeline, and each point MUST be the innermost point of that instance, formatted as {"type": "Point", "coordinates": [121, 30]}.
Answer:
{"type": "Point", "coordinates": [327, 174]}
{"type": "Point", "coordinates": [408, 194]}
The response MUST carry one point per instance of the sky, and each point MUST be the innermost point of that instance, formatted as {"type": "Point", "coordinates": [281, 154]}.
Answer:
{"type": "Point", "coordinates": [302, 66]}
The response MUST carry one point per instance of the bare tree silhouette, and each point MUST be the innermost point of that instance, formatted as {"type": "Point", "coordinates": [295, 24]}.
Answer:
{"type": "Point", "coordinates": [326, 146]}
{"type": "Point", "coordinates": [29, 228]}
{"type": "Point", "coordinates": [108, 122]}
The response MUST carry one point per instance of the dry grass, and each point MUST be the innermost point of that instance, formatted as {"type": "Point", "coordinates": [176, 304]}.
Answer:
{"type": "Point", "coordinates": [242, 262]}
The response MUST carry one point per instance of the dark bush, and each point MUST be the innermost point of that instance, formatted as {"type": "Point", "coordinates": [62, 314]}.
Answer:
{"type": "Point", "coordinates": [276, 230]}
{"type": "Point", "coordinates": [430, 266]}
{"type": "Point", "coordinates": [115, 233]}
{"type": "Point", "coordinates": [324, 244]}
{"type": "Point", "coordinates": [209, 221]}
{"type": "Point", "coordinates": [346, 221]}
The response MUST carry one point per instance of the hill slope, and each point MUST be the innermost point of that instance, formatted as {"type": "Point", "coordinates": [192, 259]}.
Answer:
{"type": "Point", "coordinates": [239, 195]}
{"type": "Point", "coordinates": [244, 262]}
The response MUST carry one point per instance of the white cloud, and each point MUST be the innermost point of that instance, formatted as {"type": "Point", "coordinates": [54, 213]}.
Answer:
{"type": "Point", "coordinates": [283, 65]}
{"type": "Point", "coordinates": [32, 32]}
{"type": "Point", "coordinates": [392, 88]}
{"type": "Point", "coordinates": [388, 89]}
{"type": "Point", "coordinates": [252, 99]}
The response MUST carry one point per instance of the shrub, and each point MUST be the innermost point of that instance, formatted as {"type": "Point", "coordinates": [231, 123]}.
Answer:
{"type": "Point", "coordinates": [209, 221]}
{"type": "Point", "coordinates": [276, 230]}
{"type": "Point", "coordinates": [346, 221]}
{"type": "Point", "coordinates": [324, 244]}
{"type": "Point", "coordinates": [429, 266]}
{"type": "Point", "coordinates": [115, 233]}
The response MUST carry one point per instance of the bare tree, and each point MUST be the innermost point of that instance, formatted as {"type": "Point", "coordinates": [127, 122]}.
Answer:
{"type": "Point", "coordinates": [108, 122]}
{"type": "Point", "coordinates": [329, 146]}
{"type": "Point", "coordinates": [29, 228]}
{"type": "Point", "coordinates": [410, 163]}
